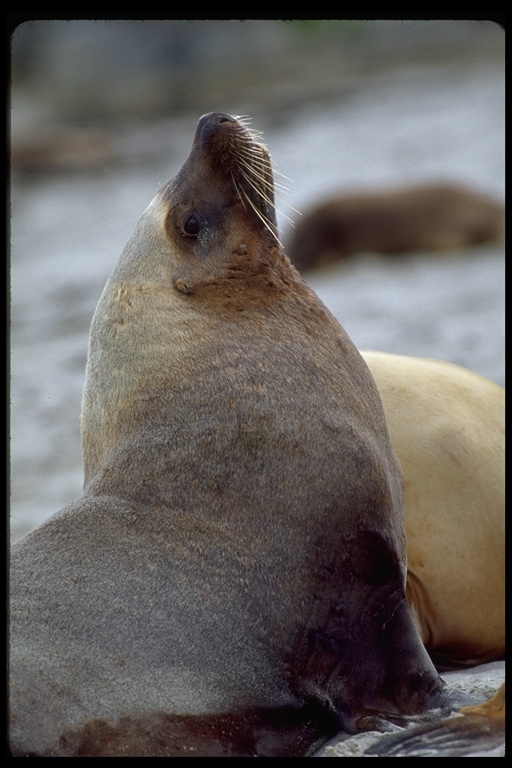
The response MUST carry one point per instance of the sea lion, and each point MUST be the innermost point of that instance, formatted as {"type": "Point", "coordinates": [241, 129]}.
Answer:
{"type": "Point", "coordinates": [232, 581]}
{"type": "Point", "coordinates": [436, 217]}
{"type": "Point", "coordinates": [447, 427]}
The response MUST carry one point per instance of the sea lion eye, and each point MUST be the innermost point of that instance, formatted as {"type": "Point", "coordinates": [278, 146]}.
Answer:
{"type": "Point", "coordinates": [192, 225]}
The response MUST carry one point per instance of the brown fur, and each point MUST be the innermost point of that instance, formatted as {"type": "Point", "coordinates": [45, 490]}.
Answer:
{"type": "Point", "coordinates": [233, 579]}
{"type": "Point", "coordinates": [437, 217]}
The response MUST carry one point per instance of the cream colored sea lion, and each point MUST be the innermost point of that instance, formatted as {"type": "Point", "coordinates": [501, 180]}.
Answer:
{"type": "Point", "coordinates": [436, 217]}
{"type": "Point", "coordinates": [447, 426]}
{"type": "Point", "coordinates": [232, 582]}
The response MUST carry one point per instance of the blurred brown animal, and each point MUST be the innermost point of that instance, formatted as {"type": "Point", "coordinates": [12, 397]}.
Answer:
{"type": "Point", "coordinates": [438, 217]}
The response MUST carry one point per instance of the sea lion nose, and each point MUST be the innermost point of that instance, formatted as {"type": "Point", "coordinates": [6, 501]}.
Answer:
{"type": "Point", "coordinates": [209, 123]}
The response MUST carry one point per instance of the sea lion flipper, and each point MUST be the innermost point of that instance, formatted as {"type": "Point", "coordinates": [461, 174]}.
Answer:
{"type": "Point", "coordinates": [360, 646]}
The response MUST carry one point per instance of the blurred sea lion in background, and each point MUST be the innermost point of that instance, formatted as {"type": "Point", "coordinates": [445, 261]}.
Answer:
{"type": "Point", "coordinates": [432, 217]}
{"type": "Point", "coordinates": [447, 426]}
{"type": "Point", "coordinates": [232, 581]}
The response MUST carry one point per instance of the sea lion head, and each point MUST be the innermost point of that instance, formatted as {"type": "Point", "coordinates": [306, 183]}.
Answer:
{"type": "Point", "coordinates": [227, 162]}
{"type": "Point", "coordinates": [216, 218]}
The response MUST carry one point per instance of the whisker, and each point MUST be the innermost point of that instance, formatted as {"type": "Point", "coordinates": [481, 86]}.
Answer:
{"type": "Point", "coordinates": [252, 175]}
{"type": "Point", "coordinates": [288, 205]}
{"type": "Point", "coordinates": [237, 189]}
{"type": "Point", "coordinates": [262, 218]}
{"type": "Point", "coordinates": [276, 171]}
{"type": "Point", "coordinates": [261, 192]}
{"type": "Point", "coordinates": [253, 159]}
{"type": "Point", "coordinates": [254, 165]}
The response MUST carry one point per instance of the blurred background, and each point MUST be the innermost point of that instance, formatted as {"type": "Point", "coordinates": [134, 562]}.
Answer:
{"type": "Point", "coordinates": [103, 114]}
